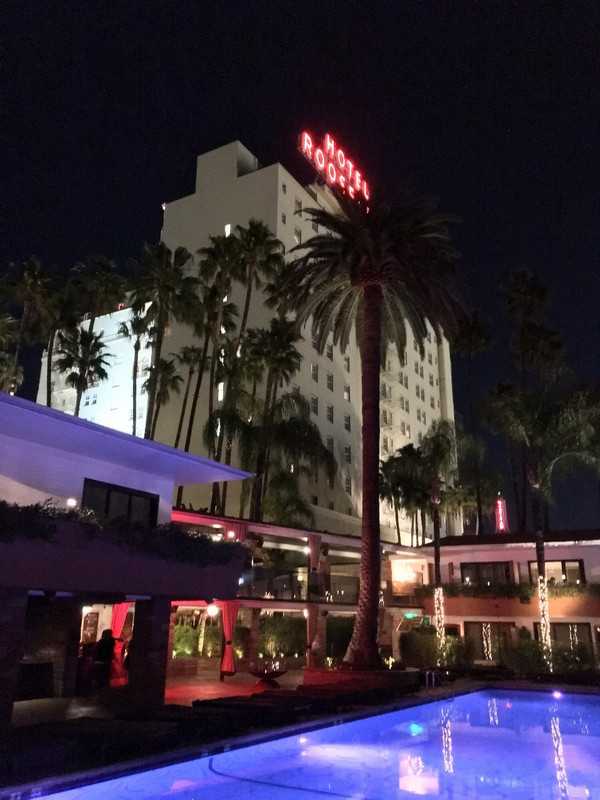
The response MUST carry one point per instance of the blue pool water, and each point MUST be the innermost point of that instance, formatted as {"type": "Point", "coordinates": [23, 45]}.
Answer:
{"type": "Point", "coordinates": [493, 744]}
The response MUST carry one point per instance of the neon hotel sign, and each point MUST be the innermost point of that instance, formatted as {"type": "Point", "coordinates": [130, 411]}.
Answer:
{"type": "Point", "coordinates": [336, 167]}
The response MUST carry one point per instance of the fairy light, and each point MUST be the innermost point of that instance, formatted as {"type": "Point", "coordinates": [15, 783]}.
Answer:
{"type": "Point", "coordinates": [573, 636]}
{"type": "Point", "coordinates": [487, 641]}
{"type": "Point", "coordinates": [438, 620]}
{"type": "Point", "coordinates": [545, 621]}
{"type": "Point", "coordinates": [559, 758]}
{"type": "Point", "coordinates": [493, 711]}
{"type": "Point", "coordinates": [447, 741]}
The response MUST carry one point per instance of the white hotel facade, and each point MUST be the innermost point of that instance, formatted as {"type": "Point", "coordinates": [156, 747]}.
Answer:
{"type": "Point", "coordinates": [232, 188]}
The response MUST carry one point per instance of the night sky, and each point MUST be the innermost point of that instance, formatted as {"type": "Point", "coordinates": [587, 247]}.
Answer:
{"type": "Point", "coordinates": [490, 106]}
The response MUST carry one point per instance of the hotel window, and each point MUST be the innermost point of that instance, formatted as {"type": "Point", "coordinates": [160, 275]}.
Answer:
{"type": "Point", "coordinates": [228, 229]}
{"type": "Point", "coordinates": [559, 571]}
{"type": "Point", "coordinates": [111, 502]}
{"type": "Point", "coordinates": [283, 188]}
{"type": "Point", "coordinates": [489, 639]}
{"type": "Point", "coordinates": [401, 402]}
{"type": "Point", "coordinates": [94, 399]}
{"type": "Point", "coordinates": [315, 341]}
{"type": "Point", "coordinates": [407, 406]}
{"type": "Point", "coordinates": [419, 437]}
{"type": "Point", "coordinates": [432, 402]}
{"type": "Point", "coordinates": [424, 419]}
{"type": "Point", "coordinates": [329, 443]}
{"type": "Point", "coordinates": [329, 352]}
{"type": "Point", "coordinates": [403, 428]}
{"type": "Point", "coordinates": [347, 422]}
{"type": "Point", "coordinates": [569, 635]}
{"type": "Point", "coordinates": [330, 381]}
{"type": "Point", "coordinates": [486, 573]}
{"type": "Point", "coordinates": [406, 381]}
{"type": "Point", "coordinates": [423, 394]}
{"type": "Point", "coordinates": [384, 417]}
{"type": "Point", "coordinates": [418, 391]}
{"type": "Point", "coordinates": [283, 217]}
{"type": "Point", "coordinates": [417, 367]}
{"type": "Point", "coordinates": [314, 404]}
{"type": "Point", "coordinates": [429, 358]}
{"type": "Point", "coordinates": [429, 337]}
{"type": "Point", "coordinates": [401, 379]}
{"type": "Point", "coordinates": [348, 484]}
{"type": "Point", "coordinates": [329, 413]}
{"type": "Point", "coordinates": [348, 454]}
{"type": "Point", "coordinates": [346, 392]}
{"type": "Point", "coordinates": [408, 431]}
{"type": "Point", "coordinates": [416, 346]}
{"type": "Point", "coordinates": [314, 499]}
{"type": "Point", "coordinates": [421, 371]}
{"type": "Point", "coordinates": [86, 402]}
{"type": "Point", "coordinates": [220, 391]}
{"type": "Point", "coordinates": [418, 414]}
{"type": "Point", "coordinates": [297, 236]}
{"type": "Point", "coordinates": [297, 206]}
{"type": "Point", "coordinates": [430, 379]}
{"type": "Point", "coordinates": [314, 372]}
{"type": "Point", "coordinates": [346, 363]}
{"type": "Point", "coordinates": [385, 444]}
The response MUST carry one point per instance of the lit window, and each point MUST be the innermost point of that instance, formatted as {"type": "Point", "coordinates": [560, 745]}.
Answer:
{"type": "Point", "coordinates": [228, 229]}
{"type": "Point", "coordinates": [314, 372]}
{"type": "Point", "coordinates": [314, 404]}
{"type": "Point", "coordinates": [346, 392]}
{"type": "Point", "coordinates": [348, 454]}
{"type": "Point", "coordinates": [330, 381]}
{"type": "Point", "coordinates": [348, 484]}
{"type": "Point", "coordinates": [329, 352]}
{"type": "Point", "coordinates": [297, 236]}
{"type": "Point", "coordinates": [220, 391]}
{"type": "Point", "coordinates": [408, 431]}
{"type": "Point", "coordinates": [347, 422]}
{"type": "Point", "coordinates": [329, 413]}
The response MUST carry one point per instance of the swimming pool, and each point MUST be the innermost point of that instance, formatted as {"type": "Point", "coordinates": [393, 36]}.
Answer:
{"type": "Point", "coordinates": [491, 744]}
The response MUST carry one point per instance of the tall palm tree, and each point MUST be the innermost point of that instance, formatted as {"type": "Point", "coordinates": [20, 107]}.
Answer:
{"type": "Point", "coordinates": [163, 290]}
{"type": "Point", "coordinates": [99, 286]}
{"type": "Point", "coordinates": [389, 489]}
{"type": "Point", "coordinates": [81, 354]}
{"type": "Point", "coordinates": [136, 328]}
{"type": "Point", "coordinates": [438, 464]}
{"type": "Point", "coordinates": [28, 286]}
{"type": "Point", "coordinates": [189, 356]}
{"type": "Point", "coordinates": [168, 380]}
{"type": "Point", "coordinates": [376, 269]}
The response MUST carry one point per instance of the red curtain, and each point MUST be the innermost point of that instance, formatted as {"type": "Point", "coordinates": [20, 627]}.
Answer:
{"type": "Point", "coordinates": [119, 614]}
{"type": "Point", "coordinates": [230, 611]}
{"type": "Point", "coordinates": [311, 632]}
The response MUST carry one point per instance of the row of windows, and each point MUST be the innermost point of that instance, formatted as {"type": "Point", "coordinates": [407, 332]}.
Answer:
{"type": "Point", "coordinates": [330, 505]}
{"type": "Point", "coordinates": [487, 573]}
{"type": "Point", "coordinates": [314, 407]}
{"type": "Point", "coordinates": [314, 368]}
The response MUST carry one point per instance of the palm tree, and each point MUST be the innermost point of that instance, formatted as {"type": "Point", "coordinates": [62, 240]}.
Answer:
{"type": "Point", "coordinates": [472, 337]}
{"type": "Point", "coordinates": [167, 380]}
{"type": "Point", "coordinates": [81, 354]}
{"type": "Point", "coordinates": [389, 489]}
{"type": "Point", "coordinates": [28, 286]}
{"type": "Point", "coordinates": [189, 356]}
{"type": "Point", "coordinates": [135, 329]}
{"type": "Point", "coordinates": [376, 269]}
{"type": "Point", "coordinates": [99, 286]}
{"type": "Point", "coordinates": [164, 291]}
{"type": "Point", "coordinates": [438, 463]}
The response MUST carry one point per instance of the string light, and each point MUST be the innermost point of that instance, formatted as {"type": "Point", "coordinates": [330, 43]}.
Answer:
{"type": "Point", "coordinates": [493, 711]}
{"type": "Point", "coordinates": [438, 620]}
{"type": "Point", "coordinates": [487, 641]}
{"type": "Point", "coordinates": [545, 621]}
{"type": "Point", "coordinates": [447, 741]}
{"type": "Point", "coordinates": [559, 758]}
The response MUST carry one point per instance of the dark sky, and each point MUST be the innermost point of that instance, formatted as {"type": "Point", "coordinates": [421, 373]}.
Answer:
{"type": "Point", "coordinates": [491, 106]}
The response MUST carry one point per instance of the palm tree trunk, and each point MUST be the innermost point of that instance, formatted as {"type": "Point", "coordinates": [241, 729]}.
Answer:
{"type": "Point", "coordinates": [136, 358]}
{"type": "Point", "coordinates": [196, 395]}
{"type": "Point", "coordinates": [152, 383]}
{"type": "Point", "coordinates": [49, 354]}
{"type": "Point", "coordinates": [397, 516]}
{"type": "Point", "coordinates": [363, 650]}
{"type": "Point", "coordinates": [184, 405]}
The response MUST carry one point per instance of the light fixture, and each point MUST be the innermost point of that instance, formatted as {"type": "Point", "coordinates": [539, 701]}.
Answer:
{"type": "Point", "coordinates": [212, 610]}
{"type": "Point", "coordinates": [71, 502]}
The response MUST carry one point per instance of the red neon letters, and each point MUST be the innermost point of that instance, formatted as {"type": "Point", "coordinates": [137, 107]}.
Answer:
{"type": "Point", "coordinates": [335, 166]}
{"type": "Point", "coordinates": [501, 523]}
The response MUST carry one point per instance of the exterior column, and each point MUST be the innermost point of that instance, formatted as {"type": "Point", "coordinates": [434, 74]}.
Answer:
{"type": "Point", "coordinates": [319, 648]}
{"type": "Point", "coordinates": [149, 651]}
{"type": "Point", "coordinates": [13, 606]}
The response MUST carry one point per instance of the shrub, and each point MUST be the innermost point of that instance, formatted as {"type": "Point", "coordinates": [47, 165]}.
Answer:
{"type": "Point", "coordinates": [418, 648]}
{"type": "Point", "coordinates": [339, 633]}
{"type": "Point", "coordinates": [282, 634]}
{"type": "Point", "coordinates": [185, 641]}
{"type": "Point", "coordinates": [525, 656]}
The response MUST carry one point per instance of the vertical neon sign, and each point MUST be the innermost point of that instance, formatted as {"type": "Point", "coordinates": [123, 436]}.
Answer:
{"type": "Point", "coordinates": [501, 519]}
